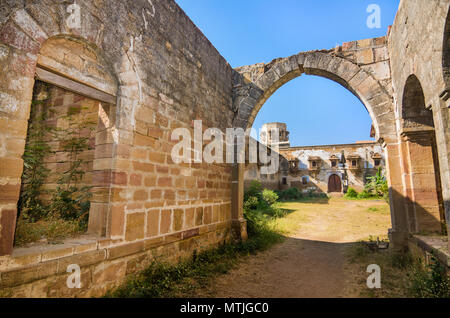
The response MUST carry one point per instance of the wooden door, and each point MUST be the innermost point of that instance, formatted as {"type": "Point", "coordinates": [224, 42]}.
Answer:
{"type": "Point", "coordinates": [334, 184]}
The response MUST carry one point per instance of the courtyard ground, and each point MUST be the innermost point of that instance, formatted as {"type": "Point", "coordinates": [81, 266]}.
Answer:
{"type": "Point", "coordinates": [319, 258]}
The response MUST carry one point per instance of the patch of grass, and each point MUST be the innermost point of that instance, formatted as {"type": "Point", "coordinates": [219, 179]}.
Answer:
{"type": "Point", "coordinates": [394, 273]}
{"type": "Point", "coordinates": [53, 229]}
{"type": "Point", "coordinates": [180, 280]}
{"type": "Point", "coordinates": [429, 281]}
{"type": "Point", "coordinates": [290, 223]}
{"type": "Point", "coordinates": [6, 293]}
{"type": "Point", "coordinates": [315, 200]}
{"type": "Point", "coordinates": [402, 275]}
{"type": "Point", "coordinates": [351, 193]}
{"type": "Point", "coordinates": [383, 210]}
{"type": "Point", "coordinates": [373, 198]}
{"type": "Point", "coordinates": [163, 280]}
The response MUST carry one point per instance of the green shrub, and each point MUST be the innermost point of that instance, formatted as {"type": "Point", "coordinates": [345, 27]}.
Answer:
{"type": "Point", "coordinates": [351, 193]}
{"type": "Point", "coordinates": [364, 195]}
{"type": "Point", "coordinates": [269, 196]}
{"type": "Point", "coordinates": [251, 203]}
{"type": "Point", "coordinates": [430, 281]}
{"type": "Point", "coordinates": [254, 190]}
{"type": "Point", "coordinates": [169, 281]}
{"type": "Point", "coordinates": [30, 206]}
{"type": "Point", "coordinates": [291, 194]}
{"type": "Point", "coordinates": [377, 186]}
{"type": "Point", "coordinates": [255, 221]}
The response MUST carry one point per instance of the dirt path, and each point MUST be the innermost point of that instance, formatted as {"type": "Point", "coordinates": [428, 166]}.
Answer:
{"type": "Point", "coordinates": [312, 261]}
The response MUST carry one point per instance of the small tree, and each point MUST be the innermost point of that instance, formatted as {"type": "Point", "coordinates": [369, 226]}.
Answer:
{"type": "Point", "coordinates": [35, 173]}
{"type": "Point", "coordinates": [71, 200]}
{"type": "Point", "coordinates": [377, 185]}
{"type": "Point", "coordinates": [269, 196]}
{"type": "Point", "coordinates": [351, 193]}
{"type": "Point", "coordinates": [254, 190]}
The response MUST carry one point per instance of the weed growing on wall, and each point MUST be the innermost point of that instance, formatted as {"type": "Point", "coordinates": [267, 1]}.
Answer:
{"type": "Point", "coordinates": [70, 200]}
{"type": "Point", "coordinates": [429, 281]}
{"type": "Point", "coordinates": [167, 280]}
{"type": "Point", "coordinates": [35, 173]}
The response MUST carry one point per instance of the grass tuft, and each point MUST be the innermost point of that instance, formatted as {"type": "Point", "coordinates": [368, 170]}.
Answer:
{"type": "Point", "coordinates": [164, 280]}
{"type": "Point", "coordinates": [402, 275]}
{"type": "Point", "coordinates": [51, 229]}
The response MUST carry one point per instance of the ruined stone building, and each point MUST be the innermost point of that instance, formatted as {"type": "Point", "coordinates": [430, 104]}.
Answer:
{"type": "Point", "coordinates": [140, 69]}
{"type": "Point", "coordinates": [317, 169]}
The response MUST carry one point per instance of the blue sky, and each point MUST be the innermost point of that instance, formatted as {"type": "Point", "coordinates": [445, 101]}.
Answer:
{"type": "Point", "coordinates": [316, 110]}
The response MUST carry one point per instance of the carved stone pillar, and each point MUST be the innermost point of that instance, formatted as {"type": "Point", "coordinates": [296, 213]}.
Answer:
{"type": "Point", "coordinates": [423, 201]}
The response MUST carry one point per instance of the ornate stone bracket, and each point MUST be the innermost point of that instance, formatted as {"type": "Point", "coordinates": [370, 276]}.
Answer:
{"type": "Point", "coordinates": [417, 135]}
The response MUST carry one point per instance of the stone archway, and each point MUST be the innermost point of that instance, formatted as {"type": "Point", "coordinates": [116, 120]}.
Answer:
{"type": "Point", "coordinates": [77, 66]}
{"type": "Point", "coordinates": [31, 46]}
{"type": "Point", "coordinates": [254, 84]}
{"type": "Point", "coordinates": [362, 67]}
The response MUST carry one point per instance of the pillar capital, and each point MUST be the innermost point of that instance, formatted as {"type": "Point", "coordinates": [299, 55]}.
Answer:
{"type": "Point", "coordinates": [418, 135]}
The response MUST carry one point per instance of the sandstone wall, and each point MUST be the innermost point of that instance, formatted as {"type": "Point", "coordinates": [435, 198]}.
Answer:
{"type": "Point", "coordinates": [253, 172]}
{"type": "Point", "coordinates": [162, 73]}
{"type": "Point", "coordinates": [167, 74]}
{"type": "Point", "coordinates": [418, 45]}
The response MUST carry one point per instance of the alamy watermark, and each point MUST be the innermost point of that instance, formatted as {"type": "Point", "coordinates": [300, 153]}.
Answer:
{"type": "Point", "coordinates": [229, 147]}
{"type": "Point", "coordinates": [374, 279]}
{"type": "Point", "coordinates": [74, 19]}
{"type": "Point", "coordinates": [374, 19]}
{"type": "Point", "coordinates": [74, 279]}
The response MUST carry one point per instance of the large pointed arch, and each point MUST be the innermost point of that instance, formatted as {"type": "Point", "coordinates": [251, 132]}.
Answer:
{"type": "Point", "coordinates": [254, 84]}
{"type": "Point", "coordinates": [357, 66]}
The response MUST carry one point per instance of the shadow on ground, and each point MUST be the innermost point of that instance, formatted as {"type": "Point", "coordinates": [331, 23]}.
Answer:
{"type": "Point", "coordinates": [298, 268]}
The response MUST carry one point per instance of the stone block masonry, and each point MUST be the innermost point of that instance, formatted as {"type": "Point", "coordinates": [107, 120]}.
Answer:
{"type": "Point", "coordinates": [104, 264]}
{"type": "Point", "coordinates": [152, 70]}
{"type": "Point", "coordinates": [160, 78]}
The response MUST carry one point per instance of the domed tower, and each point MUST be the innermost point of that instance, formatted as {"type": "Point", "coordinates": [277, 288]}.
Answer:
{"type": "Point", "coordinates": [275, 134]}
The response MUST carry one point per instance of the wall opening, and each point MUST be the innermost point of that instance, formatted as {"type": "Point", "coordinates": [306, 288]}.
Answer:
{"type": "Point", "coordinates": [319, 113]}
{"type": "Point", "coordinates": [59, 177]}
{"type": "Point", "coordinates": [424, 201]}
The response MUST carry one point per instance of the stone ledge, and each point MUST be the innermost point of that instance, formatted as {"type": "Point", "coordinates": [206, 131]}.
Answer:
{"type": "Point", "coordinates": [98, 276]}
{"type": "Point", "coordinates": [27, 266]}
{"type": "Point", "coordinates": [434, 244]}
{"type": "Point", "coordinates": [26, 256]}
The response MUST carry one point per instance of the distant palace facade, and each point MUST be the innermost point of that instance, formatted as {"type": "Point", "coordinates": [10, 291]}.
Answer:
{"type": "Point", "coordinates": [319, 169]}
